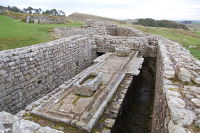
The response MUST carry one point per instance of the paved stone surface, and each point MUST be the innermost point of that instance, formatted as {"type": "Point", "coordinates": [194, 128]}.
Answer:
{"type": "Point", "coordinates": [69, 106]}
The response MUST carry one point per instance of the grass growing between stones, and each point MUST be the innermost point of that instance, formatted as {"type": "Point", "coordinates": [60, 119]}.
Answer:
{"type": "Point", "coordinates": [15, 34]}
{"type": "Point", "coordinates": [186, 37]}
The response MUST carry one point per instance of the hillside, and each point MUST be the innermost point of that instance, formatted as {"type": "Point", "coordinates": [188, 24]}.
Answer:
{"type": "Point", "coordinates": [160, 23]}
{"type": "Point", "coordinates": [82, 17]}
{"type": "Point", "coordinates": [14, 34]}
{"type": "Point", "coordinates": [194, 26]}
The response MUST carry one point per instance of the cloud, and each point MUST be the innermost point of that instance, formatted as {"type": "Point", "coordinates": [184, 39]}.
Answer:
{"type": "Point", "coordinates": [121, 9]}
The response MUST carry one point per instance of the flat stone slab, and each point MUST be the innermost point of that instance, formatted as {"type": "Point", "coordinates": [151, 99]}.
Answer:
{"type": "Point", "coordinates": [83, 112]}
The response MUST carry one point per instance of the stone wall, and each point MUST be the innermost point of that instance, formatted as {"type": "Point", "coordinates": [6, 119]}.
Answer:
{"type": "Point", "coordinates": [115, 30]}
{"type": "Point", "coordinates": [176, 103]}
{"type": "Point", "coordinates": [160, 105]}
{"type": "Point", "coordinates": [68, 31]}
{"type": "Point", "coordinates": [31, 72]}
{"type": "Point", "coordinates": [46, 19]}
{"type": "Point", "coordinates": [108, 44]}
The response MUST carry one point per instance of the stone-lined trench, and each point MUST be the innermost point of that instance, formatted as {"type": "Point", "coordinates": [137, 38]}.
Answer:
{"type": "Point", "coordinates": [136, 111]}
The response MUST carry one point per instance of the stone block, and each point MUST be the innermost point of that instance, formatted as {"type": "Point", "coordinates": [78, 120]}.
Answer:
{"type": "Point", "coordinates": [88, 84]}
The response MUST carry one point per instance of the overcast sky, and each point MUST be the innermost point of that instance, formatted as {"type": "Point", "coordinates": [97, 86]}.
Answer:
{"type": "Point", "coordinates": [120, 9]}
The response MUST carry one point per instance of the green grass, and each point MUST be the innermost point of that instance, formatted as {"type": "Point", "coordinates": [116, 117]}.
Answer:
{"type": "Point", "coordinates": [184, 37]}
{"type": "Point", "coordinates": [14, 34]}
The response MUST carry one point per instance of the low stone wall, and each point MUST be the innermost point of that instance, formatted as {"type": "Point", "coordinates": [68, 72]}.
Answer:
{"type": "Point", "coordinates": [160, 109]}
{"type": "Point", "coordinates": [115, 30]}
{"type": "Point", "coordinates": [176, 104]}
{"type": "Point", "coordinates": [66, 31]}
{"type": "Point", "coordinates": [141, 44]}
{"type": "Point", "coordinates": [46, 19]}
{"type": "Point", "coordinates": [31, 72]}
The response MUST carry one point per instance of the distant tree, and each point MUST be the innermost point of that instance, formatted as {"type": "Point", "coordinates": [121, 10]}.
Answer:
{"type": "Point", "coordinates": [37, 11]}
{"type": "Point", "coordinates": [29, 10]}
{"type": "Point", "coordinates": [24, 10]}
{"type": "Point", "coordinates": [61, 13]}
{"type": "Point", "coordinates": [186, 22]}
{"type": "Point", "coordinates": [54, 12]}
{"type": "Point", "coordinates": [160, 23]}
{"type": "Point", "coordinates": [147, 22]}
{"type": "Point", "coordinates": [14, 9]}
{"type": "Point", "coordinates": [47, 12]}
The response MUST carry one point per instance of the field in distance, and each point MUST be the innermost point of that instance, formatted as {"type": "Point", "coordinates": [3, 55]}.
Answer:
{"type": "Point", "coordinates": [189, 39]}
{"type": "Point", "coordinates": [15, 34]}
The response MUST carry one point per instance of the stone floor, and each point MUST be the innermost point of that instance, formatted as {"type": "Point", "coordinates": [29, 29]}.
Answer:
{"type": "Point", "coordinates": [83, 112]}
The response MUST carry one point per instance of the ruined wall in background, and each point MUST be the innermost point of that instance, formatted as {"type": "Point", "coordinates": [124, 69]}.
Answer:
{"type": "Point", "coordinates": [68, 31]}
{"type": "Point", "coordinates": [46, 19]}
{"type": "Point", "coordinates": [115, 30]}
{"type": "Point", "coordinates": [30, 72]}
{"type": "Point", "coordinates": [141, 44]}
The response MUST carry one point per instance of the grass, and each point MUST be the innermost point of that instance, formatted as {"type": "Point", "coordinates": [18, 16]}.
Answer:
{"type": "Point", "coordinates": [15, 34]}
{"type": "Point", "coordinates": [83, 16]}
{"type": "Point", "coordinates": [185, 37]}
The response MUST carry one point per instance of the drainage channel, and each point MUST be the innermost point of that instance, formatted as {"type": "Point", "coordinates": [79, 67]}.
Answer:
{"type": "Point", "coordinates": [136, 110]}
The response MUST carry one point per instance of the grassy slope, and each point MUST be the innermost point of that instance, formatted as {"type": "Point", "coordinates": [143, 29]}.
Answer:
{"type": "Point", "coordinates": [83, 17]}
{"type": "Point", "coordinates": [14, 34]}
{"type": "Point", "coordinates": [185, 37]}
{"type": "Point", "coordinates": [194, 26]}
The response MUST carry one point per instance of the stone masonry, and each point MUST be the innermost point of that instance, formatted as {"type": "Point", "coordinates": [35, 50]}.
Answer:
{"type": "Point", "coordinates": [46, 19]}
{"type": "Point", "coordinates": [29, 73]}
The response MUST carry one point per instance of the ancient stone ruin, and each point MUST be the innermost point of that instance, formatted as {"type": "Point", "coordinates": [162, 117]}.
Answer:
{"type": "Point", "coordinates": [46, 19]}
{"type": "Point", "coordinates": [100, 78]}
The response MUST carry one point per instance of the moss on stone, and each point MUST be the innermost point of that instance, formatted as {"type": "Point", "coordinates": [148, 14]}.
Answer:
{"type": "Point", "coordinates": [56, 125]}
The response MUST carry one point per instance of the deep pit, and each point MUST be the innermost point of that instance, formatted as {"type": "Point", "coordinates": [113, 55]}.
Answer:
{"type": "Point", "coordinates": [136, 111]}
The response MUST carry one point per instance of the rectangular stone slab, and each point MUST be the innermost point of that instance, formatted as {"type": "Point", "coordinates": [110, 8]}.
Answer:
{"type": "Point", "coordinates": [83, 112]}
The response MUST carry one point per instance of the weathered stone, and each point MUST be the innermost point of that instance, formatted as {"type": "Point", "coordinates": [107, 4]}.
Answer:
{"type": "Point", "coordinates": [192, 88]}
{"type": "Point", "coordinates": [184, 75]}
{"type": "Point", "coordinates": [106, 131]}
{"type": "Point", "coordinates": [109, 122]}
{"type": "Point", "coordinates": [172, 128]}
{"type": "Point", "coordinates": [175, 102]}
{"type": "Point", "coordinates": [25, 126]}
{"type": "Point", "coordinates": [88, 84]}
{"type": "Point", "coordinates": [197, 80]}
{"type": "Point", "coordinates": [196, 101]}
{"type": "Point", "coordinates": [2, 128]}
{"type": "Point", "coordinates": [29, 107]}
{"type": "Point", "coordinates": [7, 118]}
{"type": "Point", "coordinates": [21, 113]}
{"type": "Point", "coordinates": [197, 123]}
{"type": "Point", "coordinates": [169, 74]}
{"type": "Point", "coordinates": [47, 130]}
{"type": "Point", "coordinates": [172, 93]}
{"type": "Point", "coordinates": [182, 116]}
{"type": "Point", "coordinates": [198, 111]}
{"type": "Point", "coordinates": [122, 51]}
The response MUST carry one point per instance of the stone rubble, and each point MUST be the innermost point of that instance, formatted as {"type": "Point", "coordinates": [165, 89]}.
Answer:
{"type": "Point", "coordinates": [12, 124]}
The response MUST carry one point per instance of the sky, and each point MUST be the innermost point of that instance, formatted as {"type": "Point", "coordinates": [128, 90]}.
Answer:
{"type": "Point", "coordinates": [119, 9]}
